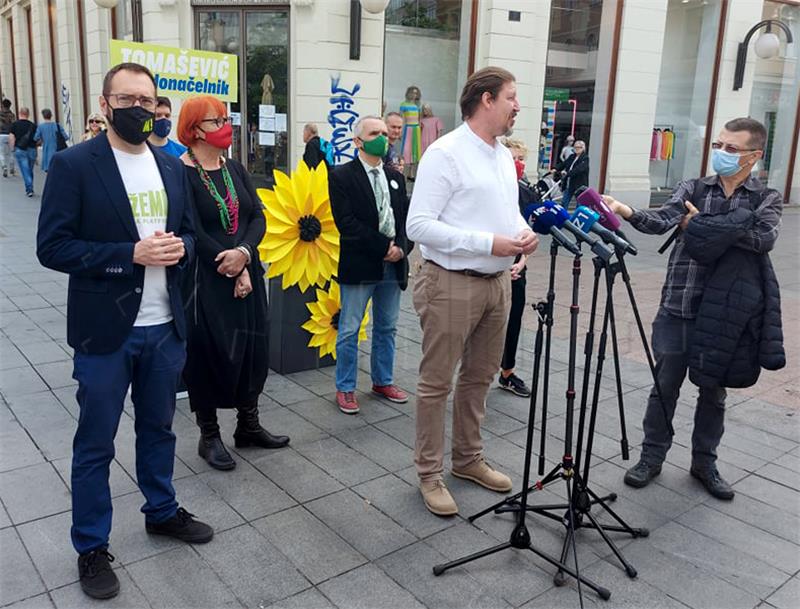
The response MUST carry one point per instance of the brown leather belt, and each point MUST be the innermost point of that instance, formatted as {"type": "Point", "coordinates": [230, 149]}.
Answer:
{"type": "Point", "coordinates": [469, 272]}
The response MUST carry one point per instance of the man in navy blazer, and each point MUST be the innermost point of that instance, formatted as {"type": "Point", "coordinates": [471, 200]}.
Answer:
{"type": "Point", "coordinates": [116, 216]}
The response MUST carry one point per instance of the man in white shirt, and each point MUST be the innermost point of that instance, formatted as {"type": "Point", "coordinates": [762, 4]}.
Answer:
{"type": "Point", "coordinates": [465, 217]}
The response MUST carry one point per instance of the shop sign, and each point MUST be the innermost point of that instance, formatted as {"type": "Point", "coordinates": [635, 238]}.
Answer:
{"type": "Point", "coordinates": [182, 72]}
{"type": "Point", "coordinates": [556, 94]}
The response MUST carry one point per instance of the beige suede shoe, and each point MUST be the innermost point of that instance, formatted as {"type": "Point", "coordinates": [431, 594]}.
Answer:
{"type": "Point", "coordinates": [483, 474]}
{"type": "Point", "coordinates": [437, 498]}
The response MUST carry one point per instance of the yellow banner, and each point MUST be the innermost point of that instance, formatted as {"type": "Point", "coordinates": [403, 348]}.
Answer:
{"type": "Point", "coordinates": [182, 72]}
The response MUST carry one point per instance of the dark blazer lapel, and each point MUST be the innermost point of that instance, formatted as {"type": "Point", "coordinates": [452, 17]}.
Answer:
{"type": "Point", "coordinates": [106, 167]}
{"type": "Point", "coordinates": [363, 181]}
{"type": "Point", "coordinates": [172, 185]}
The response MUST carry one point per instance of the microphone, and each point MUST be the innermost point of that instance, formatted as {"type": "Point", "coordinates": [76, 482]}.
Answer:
{"type": "Point", "coordinates": [592, 199]}
{"type": "Point", "coordinates": [563, 222]}
{"type": "Point", "coordinates": [588, 220]}
{"type": "Point", "coordinates": [543, 220]}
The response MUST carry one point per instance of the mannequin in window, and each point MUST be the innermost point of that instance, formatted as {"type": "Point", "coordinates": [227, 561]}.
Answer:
{"type": "Point", "coordinates": [432, 127]}
{"type": "Point", "coordinates": [412, 133]}
{"type": "Point", "coordinates": [267, 87]}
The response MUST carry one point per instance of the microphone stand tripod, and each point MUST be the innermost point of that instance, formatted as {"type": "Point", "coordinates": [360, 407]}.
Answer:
{"type": "Point", "coordinates": [583, 497]}
{"type": "Point", "coordinates": [520, 536]}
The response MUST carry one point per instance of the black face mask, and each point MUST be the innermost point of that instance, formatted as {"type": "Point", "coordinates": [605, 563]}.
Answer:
{"type": "Point", "coordinates": [132, 124]}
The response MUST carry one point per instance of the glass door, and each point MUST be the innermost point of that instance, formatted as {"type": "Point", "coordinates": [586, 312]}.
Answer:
{"type": "Point", "coordinates": [267, 87]}
{"type": "Point", "coordinates": [220, 31]}
{"type": "Point", "coordinates": [260, 38]}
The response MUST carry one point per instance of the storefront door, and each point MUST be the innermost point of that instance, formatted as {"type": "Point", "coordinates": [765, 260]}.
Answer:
{"type": "Point", "coordinates": [260, 37]}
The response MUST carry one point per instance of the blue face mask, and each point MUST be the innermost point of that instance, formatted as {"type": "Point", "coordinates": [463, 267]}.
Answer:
{"type": "Point", "coordinates": [725, 163]}
{"type": "Point", "coordinates": [162, 127]}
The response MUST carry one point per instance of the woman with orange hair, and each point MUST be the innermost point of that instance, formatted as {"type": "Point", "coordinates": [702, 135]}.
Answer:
{"type": "Point", "coordinates": [227, 343]}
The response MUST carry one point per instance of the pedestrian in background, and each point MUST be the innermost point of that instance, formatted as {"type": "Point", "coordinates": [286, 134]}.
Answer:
{"type": "Point", "coordinates": [116, 218]}
{"type": "Point", "coordinates": [162, 128]}
{"type": "Point", "coordinates": [317, 150]}
{"type": "Point", "coordinates": [227, 355]}
{"type": "Point", "coordinates": [21, 141]}
{"type": "Point", "coordinates": [394, 125]}
{"type": "Point", "coordinates": [95, 125]}
{"type": "Point", "coordinates": [508, 380]}
{"type": "Point", "coordinates": [574, 172]}
{"type": "Point", "coordinates": [6, 120]}
{"type": "Point", "coordinates": [51, 136]}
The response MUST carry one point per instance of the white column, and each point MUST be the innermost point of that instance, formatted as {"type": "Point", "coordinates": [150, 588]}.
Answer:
{"type": "Point", "coordinates": [319, 51]}
{"type": "Point", "coordinates": [6, 71]}
{"type": "Point", "coordinates": [741, 17]}
{"type": "Point", "coordinates": [520, 47]}
{"type": "Point", "coordinates": [161, 22]}
{"type": "Point", "coordinates": [23, 62]}
{"type": "Point", "coordinates": [98, 33]}
{"type": "Point", "coordinates": [68, 55]}
{"type": "Point", "coordinates": [43, 67]}
{"type": "Point", "coordinates": [638, 68]}
{"type": "Point", "coordinates": [794, 191]}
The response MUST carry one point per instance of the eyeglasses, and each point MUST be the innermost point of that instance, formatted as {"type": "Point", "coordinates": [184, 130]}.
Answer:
{"type": "Point", "coordinates": [95, 121]}
{"type": "Point", "coordinates": [219, 121]}
{"type": "Point", "coordinates": [731, 149]}
{"type": "Point", "coordinates": [126, 101]}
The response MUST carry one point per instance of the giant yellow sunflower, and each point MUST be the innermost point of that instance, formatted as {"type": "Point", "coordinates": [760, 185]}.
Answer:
{"type": "Point", "coordinates": [302, 241]}
{"type": "Point", "coordinates": [324, 321]}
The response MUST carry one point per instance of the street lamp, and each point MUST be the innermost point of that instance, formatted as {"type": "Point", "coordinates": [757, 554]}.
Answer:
{"type": "Point", "coordinates": [371, 6]}
{"type": "Point", "coordinates": [766, 47]}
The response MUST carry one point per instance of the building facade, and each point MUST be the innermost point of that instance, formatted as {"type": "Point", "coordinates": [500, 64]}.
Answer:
{"type": "Point", "coordinates": [646, 83]}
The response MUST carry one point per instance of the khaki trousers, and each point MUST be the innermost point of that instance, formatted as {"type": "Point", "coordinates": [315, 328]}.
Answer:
{"type": "Point", "coordinates": [462, 318]}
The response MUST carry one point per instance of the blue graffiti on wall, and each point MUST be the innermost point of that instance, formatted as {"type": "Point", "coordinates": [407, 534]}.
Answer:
{"type": "Point", "coordinates": [341, 118]}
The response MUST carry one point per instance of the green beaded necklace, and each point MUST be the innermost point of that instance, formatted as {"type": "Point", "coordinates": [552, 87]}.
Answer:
{"type": "Point", "coordinates": [229, 205]}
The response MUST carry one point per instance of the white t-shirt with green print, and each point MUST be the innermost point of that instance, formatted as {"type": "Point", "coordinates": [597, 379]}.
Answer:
{"type": "Point", "coordinates": [149, 206]}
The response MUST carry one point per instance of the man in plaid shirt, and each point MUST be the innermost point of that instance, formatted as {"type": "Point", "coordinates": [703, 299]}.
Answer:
{"type": "Point", "coordinates": [739, 146]}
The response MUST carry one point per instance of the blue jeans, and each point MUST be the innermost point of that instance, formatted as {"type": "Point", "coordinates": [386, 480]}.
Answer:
{"type": "Point", "coordinates": [385, 310]}
{"type": "Point", "coordinates": [25, 161]}
{"type": "Point", "coordinates": [151, 359]}
{"type": "Point", "coordinates": [672, 339]}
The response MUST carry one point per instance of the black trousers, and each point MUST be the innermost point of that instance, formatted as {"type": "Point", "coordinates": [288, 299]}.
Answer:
{"type": "Point", "coordinates": [672, 338]}
{"type": "Point", "coordinates": [514, 323]}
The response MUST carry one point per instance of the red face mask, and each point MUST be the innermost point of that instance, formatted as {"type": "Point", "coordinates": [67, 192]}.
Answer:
{"type": "Point", "coordinates": [221, 138]}
{"type": "Point", "coordinates": [520, 167]}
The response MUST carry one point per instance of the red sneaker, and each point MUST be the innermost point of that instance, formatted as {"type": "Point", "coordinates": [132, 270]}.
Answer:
{"type": "Point", "coordinates": [393, 393]}
{"type": "Point", "coordinates": [346, 400]}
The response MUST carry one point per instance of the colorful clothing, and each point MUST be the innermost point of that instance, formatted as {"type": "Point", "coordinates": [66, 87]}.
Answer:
{"type": "Point", "coordinates": [412, 134]}
{"type": "Point", "coordinates": [432, 126]}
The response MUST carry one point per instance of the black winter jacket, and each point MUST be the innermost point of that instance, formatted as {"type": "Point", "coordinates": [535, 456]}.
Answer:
{"type": "Point", "coordinates": [738, 327]}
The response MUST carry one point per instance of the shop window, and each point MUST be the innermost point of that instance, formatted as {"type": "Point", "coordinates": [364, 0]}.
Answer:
{"type": "Point", "coordinates": [774, 97]}
{"type": "Point", "coordinates": [684, 92]}
{"type": "Point", "coordinates": [425, 65]}
{"type": "Point", "coordinates": [569, 95]}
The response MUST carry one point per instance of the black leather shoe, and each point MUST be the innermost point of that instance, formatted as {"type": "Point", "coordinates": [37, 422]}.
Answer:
{"type": "Point", "coordinates": [214, 452]}
{"type": "Point", "coordinates": [250, 433]}
{"type": "Point", "coordinates": [182, 526]}
{"type": "Point", "coordinates": [713, 482]}
{"type": "Point", "coordinates": [641, 474]}
{"type": "Point", "coordinates": [97, 578]}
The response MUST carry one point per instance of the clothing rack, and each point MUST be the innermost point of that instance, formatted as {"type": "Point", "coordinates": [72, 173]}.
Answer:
{"type": "Point", "coordinates": [664, 127]}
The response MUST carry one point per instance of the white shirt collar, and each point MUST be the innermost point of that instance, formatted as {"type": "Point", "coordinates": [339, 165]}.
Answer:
{"type": "Point", "coordinates": [368, 167]}
{"type": "Point", "coordinates": [478, 140]}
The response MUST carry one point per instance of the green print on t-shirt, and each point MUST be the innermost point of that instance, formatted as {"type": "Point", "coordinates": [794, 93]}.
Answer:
{"type": "Point", "coordinates": [150, 206]}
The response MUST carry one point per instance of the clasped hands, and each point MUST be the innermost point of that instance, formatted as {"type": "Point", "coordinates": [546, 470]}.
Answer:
{"type": "Point", "coordinates": [394, 253]}
{"type": "Point", "coordinates": [525, 243]}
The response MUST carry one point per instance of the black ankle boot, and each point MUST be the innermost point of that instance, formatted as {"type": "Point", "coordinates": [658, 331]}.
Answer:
{"type": "Point", "coordinates": [210, 446]}
{"type": "Point", "coordinates": [250, 433]}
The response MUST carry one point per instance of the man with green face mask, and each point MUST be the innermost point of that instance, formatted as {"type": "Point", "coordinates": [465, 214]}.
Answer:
{"type": "Point", "coordinates": [369, 205]}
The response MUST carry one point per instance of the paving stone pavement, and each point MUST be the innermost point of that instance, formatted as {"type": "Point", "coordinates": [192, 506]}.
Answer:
{"type": "Point", "coordinates": [336, 520]}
